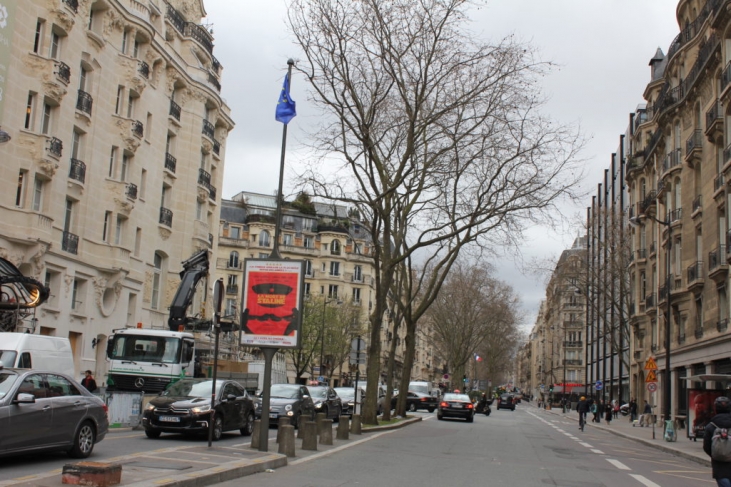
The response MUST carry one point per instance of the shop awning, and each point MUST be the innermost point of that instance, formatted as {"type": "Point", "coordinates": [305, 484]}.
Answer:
{"type": "Point", "coordinates": [724, 378]}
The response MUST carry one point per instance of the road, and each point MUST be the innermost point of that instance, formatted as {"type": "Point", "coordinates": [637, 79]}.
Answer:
{"type": "Point", "coordinates": [526, 447]}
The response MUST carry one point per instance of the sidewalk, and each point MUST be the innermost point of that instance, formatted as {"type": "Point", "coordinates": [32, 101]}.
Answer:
{"type": "Point", "coordinates": [196, 465]}
{"type": "Point", "coordinates": [683, 447]}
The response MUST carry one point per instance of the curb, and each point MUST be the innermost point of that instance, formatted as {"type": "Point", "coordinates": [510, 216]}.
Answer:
{"type": "Point", "coordinates": [388, 427]}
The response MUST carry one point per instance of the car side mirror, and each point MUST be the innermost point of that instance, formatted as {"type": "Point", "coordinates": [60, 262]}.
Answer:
{"type": "Point", "coordinates": [25, 398]}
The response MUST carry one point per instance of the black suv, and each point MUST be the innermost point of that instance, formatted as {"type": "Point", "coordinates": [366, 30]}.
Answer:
{"type": "Point", "coordinates": [506, 401]}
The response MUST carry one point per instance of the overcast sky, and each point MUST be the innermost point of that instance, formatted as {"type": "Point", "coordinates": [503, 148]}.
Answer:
{"type": "Point", "coordinates": [603, 48]}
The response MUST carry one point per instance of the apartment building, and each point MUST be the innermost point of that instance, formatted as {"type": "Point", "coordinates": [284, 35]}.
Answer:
{"type": "Point", "coordinates": [677, 175]}
{"type": "Point", "coordinates": [117, 145]}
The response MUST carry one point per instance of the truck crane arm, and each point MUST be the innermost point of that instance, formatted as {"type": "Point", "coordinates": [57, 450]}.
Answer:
{"type": "Point", "coordinates": [18, 291]}
{"type": "Point", "coordinates": [194, 269]}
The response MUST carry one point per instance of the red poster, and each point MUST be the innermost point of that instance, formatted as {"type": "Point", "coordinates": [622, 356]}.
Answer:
{"type": "Point", "coordinates": [272, 303]}
{"type": "Point", "coordinates": [700, 410]}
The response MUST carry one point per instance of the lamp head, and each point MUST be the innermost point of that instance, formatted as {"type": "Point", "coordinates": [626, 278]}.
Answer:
{"type": "Point", "coordinates": [4, 136]}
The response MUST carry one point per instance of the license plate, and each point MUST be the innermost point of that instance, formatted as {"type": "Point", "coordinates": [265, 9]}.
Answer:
{"type": "Point", "coordinates": [272, 415]}
{"type": "Point", "coordinates": [457, 406]}
{"type": "Point", "coordinates": [170, 419]}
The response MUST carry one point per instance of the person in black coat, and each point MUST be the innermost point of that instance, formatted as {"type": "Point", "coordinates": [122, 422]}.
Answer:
{"type": "Point", "coordinates": [88, 382]}
{"type": "Point", "coordinates": [721, 470]}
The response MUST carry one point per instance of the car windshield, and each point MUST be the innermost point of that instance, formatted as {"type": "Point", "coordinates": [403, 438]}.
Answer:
{"type": "Point", "coordinates": [191, 388]}
{"type": "Point", "coordinates": [345, 393]}
{"type": "Point", "coordinates": [285, 391]}
{"type": "Point", "coordinates": [6, 382]}
{"type": "Point", "coordinates": [457, 397]}
{"type": "Point", "coordinates": [318, 392]}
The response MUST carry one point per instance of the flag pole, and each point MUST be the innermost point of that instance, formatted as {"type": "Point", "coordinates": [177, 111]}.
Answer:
{"type": "Point", "coordinates": [277, 222]}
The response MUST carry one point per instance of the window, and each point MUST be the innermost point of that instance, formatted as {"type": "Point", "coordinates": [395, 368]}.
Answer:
{"type": "Point", "coordinates": [138, 241]}
{"type": "Point", "coordinates": [358, 248]}
{"type": "Point", "coordinates": [232, 280]}
{"type": "Point", "coordinates": [143, 184]}
{"type": "Point", "coordinates": [230, 307]}
{"type": "Point", "coordinates": [356, 295]}
{"type": "Point", "coordinates": [28, 125]}
{"type": "Point", "coordinates": [307, 289]}
{"type": "Point", "coordinates": [52, 281]}
{"type": "Point", "coordinates": [38, 184]}
{"type": "Point", "coordinates": [332, 291]}
{"type": "Point", "coordinates": [156, 280]}
{"type": "Point", "coordinates": [125, 167]}
{"type": "Point", "coordinates": [148, 132]}
{"type": "Point", "coordinates": [112, 161]}
{"type": "Point", "coordinates": [77, 294]}
{"type": "Point", "coordinates": [68, 215]}
{"type": "Point", "coordinates": [46, 122]}
{"type": "Point", "coordinates": [264, 239]}
{"type": "Point", "coordinates": [55, 48]}
{"type": "Point", "coordinates": [309, 244]}
{"type": "Point", "coordinates": [263, 255]}
{"type": "Point", "coordinates": [335, 247]}
{"type": "Point", "coordinates": [107, 226]}
{"type": "Point", "coordinates": [20, 192]}
{"type": "Point", "coordinates": [235, 233]}
{"type": "Point", "coordinates": [119, 230]}
{"type": "Point", "coordinates": [358, 274]}
{"type": "Point", "coordinates": [135, 48]}
{"type": "Point", "coordinates": [334, 268]}
{"type": "Point", "coordinates": [38, 38]}
{"type": "Point", "coordinates": [118, 103]}
{"type": "Point", "coordinates": [75, 144]}
{"type": "Point", "coordinates": [308, 268]}
{"type": "Point", "coordinates": [131, 102]}
{"type": "Point", "coordinates": [233, 260]}
{"type": "Point", "coordinates": [287, 239]}
{"type": "Point", "coordinates": [125, 41]}
{"type": "Point", "coordinates": [83, 78]}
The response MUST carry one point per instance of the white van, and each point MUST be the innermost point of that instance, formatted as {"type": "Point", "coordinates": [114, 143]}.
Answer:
{"type": "Point", "coordinates": [28, 351]}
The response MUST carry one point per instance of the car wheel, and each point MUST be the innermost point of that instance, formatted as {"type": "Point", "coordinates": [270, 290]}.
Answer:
{"type": "Point", "coordinates": [248, 427]}
{"type": "Point", "coordinates": [487, 413]}
{"type": "Point", "coordinates": [152, 434]}
{"type": "Point", "coordinates": [440, 417]}
{"type": "Point", "coordinates": [412, 407]}
{"type": "Point", "coordinates": [83, 441]}
{"type": "Point", "coordinates": [470, 419]}
{"type": "Point", "coordinates": [217, 428]}
{"type": "Point", "coordinates": [431, 410]}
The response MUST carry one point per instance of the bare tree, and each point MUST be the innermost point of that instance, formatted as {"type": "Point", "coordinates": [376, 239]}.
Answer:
{"type": "Point", "coordinates": [303, 358]}
{"type": "Point", "coordinates": [434, 137]}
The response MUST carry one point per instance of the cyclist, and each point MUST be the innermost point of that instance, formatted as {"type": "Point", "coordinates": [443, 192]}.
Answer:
{"type": "Point", "coordinates": [582, 407]}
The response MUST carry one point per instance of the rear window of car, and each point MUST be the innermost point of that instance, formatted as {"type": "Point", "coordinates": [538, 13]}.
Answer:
{"type": "Point", "coordinates": [457, 397]}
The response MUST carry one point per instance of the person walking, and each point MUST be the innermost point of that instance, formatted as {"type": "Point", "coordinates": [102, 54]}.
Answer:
{"type": "Point", "coordinates": [582, 407]}
{"type": "Point", "coordinates": [632, 411]}
{"type": "Point", "coordinates": [88, 381]}
{"type": "Point", "coordinates": [608, 412]}
{"type": "Point", "coordinates": [721, 471]}
{"type": "Point", "coordinates": [646, 415]}
{"type": "Point", "coordinates": [615, 408]}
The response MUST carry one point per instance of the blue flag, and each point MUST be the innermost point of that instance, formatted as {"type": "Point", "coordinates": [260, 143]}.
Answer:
{"type": "Point", "coordinates": [286, 109]}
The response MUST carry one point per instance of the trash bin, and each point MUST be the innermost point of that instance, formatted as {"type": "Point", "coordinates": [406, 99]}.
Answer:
{"type": "Point", "coordinates": [670, 434]}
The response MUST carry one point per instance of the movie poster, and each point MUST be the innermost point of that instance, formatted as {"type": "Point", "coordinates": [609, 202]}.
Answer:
{"type": "Point", "coordinates": [272, 303]}
{"type": "Point", "coordinates": [700, 410]}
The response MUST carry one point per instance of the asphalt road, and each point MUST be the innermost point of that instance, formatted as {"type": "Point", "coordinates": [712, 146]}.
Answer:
{"type": "Point", "coordinates": [520, 448]}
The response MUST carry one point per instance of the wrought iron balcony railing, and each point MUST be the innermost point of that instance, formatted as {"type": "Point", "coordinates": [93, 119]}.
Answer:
{"type": "Point", "coordinates": [204, 177]}
{"type": "Point", "coordinates": [77, 171]}
{"type": "Point", "coordinates": [55, 146]}
{"type": "Point", "coordinates": [208, 129]}
{"type": "Point", "coordinates": [138, 129]}
{"type": "Point", "coordinates": [170, 162]}
{"type": "Point", "coordinates": [73, 5]}
{"type": "Point", "coordinates": [144, 69]}
{"type": "Point", "coordinates": [175, 110]}
{"type": "Point", "coordinates": [63, 72]}
{"type": "Point", "coordinates": [695, 271]}
{"type": "Point", "coordinates": [716, 257]}
{"type": "Point", "coordinates": [84, 102]}
{"type": "Point", "coordinates": [166, 217]}
{"type": "Point", "coordinates": [70, 243]}
{"type": "Point", "coordinates": [131, 191]}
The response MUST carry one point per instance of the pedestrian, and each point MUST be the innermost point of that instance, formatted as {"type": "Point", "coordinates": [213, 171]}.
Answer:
{"type": "Point", "coordinates": [582, 407]}
{"type": "Point", "coordinates": [88, 381]}
{"type": "Point", "coordinates": [721, 471]}
{"type": "Point", "coordinates": [592, 409]}
{"type": "Point", "coordinates": [609, 412]}
{"type": "Point", "coordinates": [615, 408]}
{"type": "Point", "coordinates": [646, 415]}
{"type": "Point", "coordinates": [632, 410]}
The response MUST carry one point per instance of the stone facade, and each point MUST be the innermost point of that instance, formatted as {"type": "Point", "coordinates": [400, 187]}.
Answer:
{"type": "Point", "coordinates": [118, 143]}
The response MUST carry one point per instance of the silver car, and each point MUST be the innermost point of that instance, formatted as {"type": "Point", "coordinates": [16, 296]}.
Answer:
{"type": "Point", "coordinates": [44, 410]}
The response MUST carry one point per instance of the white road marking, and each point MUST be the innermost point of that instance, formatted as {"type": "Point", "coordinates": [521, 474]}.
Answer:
{"type": "Point", "coordinates": [585, 444]}
{"type": "Point", "coordinates": [618, 464]}
{"type": "Point", "coordinates": [644, 481]}
{"type": "Point", "coordinates": [598, 451]}
{"type": "Point", "coordinates": [336, 449]}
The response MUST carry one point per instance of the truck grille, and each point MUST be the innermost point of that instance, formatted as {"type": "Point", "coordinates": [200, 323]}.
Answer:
{"type": "Point", "coordinates": [139, 383]}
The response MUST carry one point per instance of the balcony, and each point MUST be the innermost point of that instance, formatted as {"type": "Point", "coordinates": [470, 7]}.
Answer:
{"type": "Point", "coordinates": [694, 147]}
{"type": "Point", "coordinates": [214, 81]}
{"type": "Point", "coordinates": [695, 275]}
{"type": "Point", "coordinates": [725, 77]}
{"type": "Point", "coordinates": [650, 302]}
{"type": "Point", "coordinates": [718, 183]}
{"type": "Point", "coordinates": [204, 178]}
{"type": "Point", "coordinates": [144, 69]}
{"type": "Point", "coordinates": [649, 200]}
{"type": "Point", "coordinates": [573, 361]}
{"type": "Point", "coordinates": [138, 129]}
{"type": "Point", "coordinates": [232, 289]}
{"type": "Point", "coordinates": [131, 191]}
{"type": "Point", "coordinates": [717, 264]}
{"type": "Point", "coordinates": [212, 192]}
{"type": "Point", "coordinates": [641, 254]}
{"type": "Point", "coordinates": [55, 147]}
{"type": "Point", "coordinates": [672, 161]}
{"type": "Point", "coordinates": [208, 129]}
{"type": "Point", "coordinates": [166, 217]}
{"type": "Point", "coordinates": [727, 155]}
{"type": "Point", "coordinates": [174, 110]}
{"type": "Point", "coordinates": [84, 102]}
{"type": "Point", "coordinates": [70, 243]}
{"type": "Point", "coordinates": [170, 162]}
{"type": "Point", "coordinates": [573, 344]}
{"type": "Point", "coordinates": [216, 147]}
{"type": "Point", "coordinates": [714, 122]}
{"type": "Point", "coordinates": [72, 4]}
{"type": "Point", "coordinates": [676, 215]}
{"type": "Point", "coordinates": [190, 29]}
{"type": "Point", "coordinates": [697, 206]}
{"type": "Point", "coordinates": [63, 72]}
{"type": "Point", "coordinates": [77, 171]}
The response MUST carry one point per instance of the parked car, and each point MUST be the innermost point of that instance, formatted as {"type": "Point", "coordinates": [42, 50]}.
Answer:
{"type": "Point", "coordinates": [326, 401]}
{"type": "Point", "coordinates": [185, 407]}
{"type": "Point", "coordinates": [291, 400]}
{"type": "Point", "coordinates": [416, 400]}
{"type": "Point", "coordinates": [77, 421]}
{"type": "Point", "coordinates": [347, 398]}
{"type": "Point", "coordinates": [456, 406]}
{"type": "Point", "coordinates": [506, 401]}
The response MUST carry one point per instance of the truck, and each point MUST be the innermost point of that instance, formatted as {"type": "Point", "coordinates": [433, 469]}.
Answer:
{"type": "Point", "coordinates": [147, 360]}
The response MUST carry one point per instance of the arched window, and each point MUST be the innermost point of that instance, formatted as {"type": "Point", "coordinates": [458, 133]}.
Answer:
{"type": "Point", "coordinates": [335, 247]}
{"type": "Point", "coordinates": [233, 260]}
{"type": "Point", "coordinates": [264, 239]}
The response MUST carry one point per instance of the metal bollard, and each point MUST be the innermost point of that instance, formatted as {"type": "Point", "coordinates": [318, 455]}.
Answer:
{"type": "Point", "coordinates": [255, 434]}
{"type": "Point", "coordinates": [343, 428]}
{"type": "Point", "coordinates": [286, 440]}
{"type": "Point", "coordinates": [283, 421]}
{"type": "Point", "coordinates": [325, 431]}
{"type": "Point", "coordinates": [355, 424]}
{"type": "Point", "coordinates": [309, 440]}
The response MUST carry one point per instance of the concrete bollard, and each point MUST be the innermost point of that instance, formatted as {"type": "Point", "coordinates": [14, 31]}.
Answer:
{"type": "Point", "coordinates": [309, 440]}
{"type": "Point", "coordinates": [325, 430]}
{"type": "Point", "coordinates": [355, 424]}
{"type": "Point", "coordinates": [343, 428]}
{"type": "Point", "coordinates": [283, 421]}
{"type": "Point", "coordinates": [300, 428]}
{"type": "Point", "coordinates": [320, 418]}
{"type": "Point", "coordinates": [286, 439]}
{"type": "Point", "coordinates": [255, 434]}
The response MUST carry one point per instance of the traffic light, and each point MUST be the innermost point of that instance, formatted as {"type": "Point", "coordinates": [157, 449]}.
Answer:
{"type": "Point", "coordinates": [550, 389]}
{"type": "Point", "coordinates": [464, 379]}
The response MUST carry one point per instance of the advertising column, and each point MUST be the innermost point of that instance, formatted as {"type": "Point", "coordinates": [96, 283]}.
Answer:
{"type": "Point", "coordinates": [7, 19]}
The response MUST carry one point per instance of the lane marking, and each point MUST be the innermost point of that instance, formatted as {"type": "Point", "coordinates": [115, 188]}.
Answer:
{"type": "Point", "coordinates": [597, 451]}
{"type": "Point", "coordinates": [583, 443]}
{"type": "Point", "coordinates": [618, 464]}
{"type": "Point", "coordinates": [644, 481]}
{"type": "Point", "coordinates": [339, 448]}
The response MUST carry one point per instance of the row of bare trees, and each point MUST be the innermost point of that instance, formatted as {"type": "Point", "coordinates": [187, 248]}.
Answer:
{"type": "Point", "coordinates": [434, 136]}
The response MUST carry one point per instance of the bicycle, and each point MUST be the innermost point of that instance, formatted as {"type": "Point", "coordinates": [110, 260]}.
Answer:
{"type": "Point", "coordinates": [582, 421]}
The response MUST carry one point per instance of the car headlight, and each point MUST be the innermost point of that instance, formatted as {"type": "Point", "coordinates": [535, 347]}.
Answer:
{"type": "Point", "coordinates": [149, 407]}
{"type": "Point", "coordinates": [201, 409]}
{"type": "Point", "coordinates": [318, 405]}
{"type": "Point", "coordinates": [288, 407]}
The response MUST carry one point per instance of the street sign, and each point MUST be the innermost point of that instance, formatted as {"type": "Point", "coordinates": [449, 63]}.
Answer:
{"type": "Point", "coordinates": [446, 376]}
{"type": "Point", "coordinates": [652, 386]}
{"type": "Point", "coordinates": [599, 385]}
{"type": "Point", "coordinates": [320, 379]}
{"type": "Point", "coordinates": [650, 364]}
{"type": "Point", "coordinates": [651, 376]}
